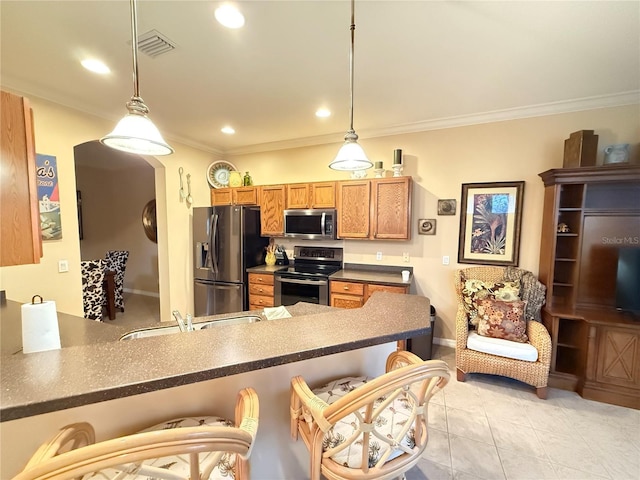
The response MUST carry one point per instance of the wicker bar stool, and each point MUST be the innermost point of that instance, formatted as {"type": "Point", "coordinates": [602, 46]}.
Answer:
{"type": "Point", "coordinates": [183, 448]}
{"type": "Point", "coordinates": [359, 428]}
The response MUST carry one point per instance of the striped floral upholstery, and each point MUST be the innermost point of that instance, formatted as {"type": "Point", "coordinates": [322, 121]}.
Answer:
{"type": "Point", "coordinates": [92, 290]}
{"type": "Point", "coordinates": [116, 260]}
{"type": "Point", "coordinates": [177, 466]}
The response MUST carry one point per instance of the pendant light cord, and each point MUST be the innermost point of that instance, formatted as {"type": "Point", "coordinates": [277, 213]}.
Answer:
{"type": "Point", "coordinates": [353, 31]}
{"type": "Point", "coordinates": [134, 41]}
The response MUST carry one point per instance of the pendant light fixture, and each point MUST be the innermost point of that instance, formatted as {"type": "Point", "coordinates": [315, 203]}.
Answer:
{"type": "Point", "coordinates": [136, 133]}
{"type": "Point", "coordinates": [351, 156]}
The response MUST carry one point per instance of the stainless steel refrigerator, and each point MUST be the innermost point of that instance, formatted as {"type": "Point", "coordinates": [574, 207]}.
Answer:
{"type": "Point", "coordinates": [226, 241]}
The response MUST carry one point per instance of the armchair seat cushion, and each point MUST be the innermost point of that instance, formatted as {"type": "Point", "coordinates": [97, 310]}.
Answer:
{"type": "Point", "coordinates": [502, 348]}
{"type": "Point", "coordinates": [389, 423]}
{"type": "Point", "coordinates": [176, 464]}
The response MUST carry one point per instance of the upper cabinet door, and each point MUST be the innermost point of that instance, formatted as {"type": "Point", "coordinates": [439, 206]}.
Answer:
{"type": "Point", "coordinates": [21, 235]}
{"type": "Point", "coordinates": [391, 209]}
{"type": "Point", "coordinates": [221, 196]}
{"type": "Point", "coordinates": [298, 195]}
{"type": "Point", "coordinates": [323, 195]}
{"type": "Point", "coordinates": [353, 209]}
{"type": "Point", "coordinates": [272, 200]}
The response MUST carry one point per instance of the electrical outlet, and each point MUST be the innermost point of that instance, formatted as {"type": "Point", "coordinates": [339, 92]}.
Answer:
{"type": "Point", "coordinates": [379, 256]}
{"type": "Point", "coordinates": [63, 266]}
{"type": "Point", "coordinates": [445, 260]}
{"type": "Point", "coordinates": [405, 257]}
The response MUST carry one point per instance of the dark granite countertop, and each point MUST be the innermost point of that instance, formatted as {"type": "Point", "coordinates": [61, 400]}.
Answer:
{"type": "Point", "coordinates": [385, 275]}
{"type": "Point", "coordinates": [83, 374]}
{"type": "Point", "coordinates": [265, 268]}
{"type": "Point", "coordinates": [73, 330]}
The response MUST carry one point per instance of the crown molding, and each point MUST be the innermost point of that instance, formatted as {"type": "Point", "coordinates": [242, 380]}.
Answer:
{"type": "Point", "coordinates": [552, 108]}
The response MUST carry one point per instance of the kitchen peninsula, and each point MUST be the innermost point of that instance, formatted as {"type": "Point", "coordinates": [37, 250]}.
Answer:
{"type": "Point", "coordinates": [123, 386]}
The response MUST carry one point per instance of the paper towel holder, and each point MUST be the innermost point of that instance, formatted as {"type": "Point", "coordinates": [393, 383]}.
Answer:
{"type": "Point", "coordinates": [33, 299]}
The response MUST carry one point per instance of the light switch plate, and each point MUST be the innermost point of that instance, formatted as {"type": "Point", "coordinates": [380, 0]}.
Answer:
{"type": "Point", "coordinates": [405, 257]}
{"type": "Point", "coordinates": [63, 266]}
{"type": "Point", "coordinates": [445, 260]}
{"type": "Point", "coordinates": [379, 256]}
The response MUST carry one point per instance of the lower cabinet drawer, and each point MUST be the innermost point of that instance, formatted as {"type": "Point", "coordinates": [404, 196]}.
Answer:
{"type": "Point", "coordinates": [263, 278]}
{"type": "Point", "coordinates": [260, 289]}
{"type": "Point", "coordinates": [372, 287]}
{"type": "Point", "coordinates": [260, 301]}
{"type": "Point", "coordinates": [351, 288]}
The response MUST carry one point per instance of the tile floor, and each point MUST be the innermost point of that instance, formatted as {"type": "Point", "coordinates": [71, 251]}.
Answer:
{"type": "Point", "coordinates": [495, 428]}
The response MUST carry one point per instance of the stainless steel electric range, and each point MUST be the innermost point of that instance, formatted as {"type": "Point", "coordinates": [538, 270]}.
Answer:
{"type": "Point", "coordinates": [307, 280]}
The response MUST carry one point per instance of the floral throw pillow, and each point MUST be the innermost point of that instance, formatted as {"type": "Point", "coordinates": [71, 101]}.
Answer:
{"type": "Point", "coordinates": [504, 320]}
{"type": "Point", "coordinates": [475, 290]}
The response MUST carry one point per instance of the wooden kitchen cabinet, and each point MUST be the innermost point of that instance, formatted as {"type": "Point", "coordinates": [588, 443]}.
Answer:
{"type": "Point", "coordinates": [378, 209]}
{"type": "Point", "coordinates": [272, 202]}
{"type": "Point", "coordinates": [20, 235]}
{"type": "Point", "coordinates": [260, 290]}
{"type": "Point", "coordinates": [235, 196]}
{"type": "Point", "coordinates": [311, 195]}
{"type": "Point", "coordinates": [353, 208]}
{"type": "Point", "coordinates": [355, 294]}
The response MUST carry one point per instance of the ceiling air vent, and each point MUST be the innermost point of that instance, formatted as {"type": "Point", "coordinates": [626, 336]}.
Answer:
{"type": "Point", "coordinates": [153, 43]}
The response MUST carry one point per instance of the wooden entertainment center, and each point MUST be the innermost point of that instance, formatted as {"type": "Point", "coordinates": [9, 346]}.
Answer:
{"type": "Point", "coordinates": [589, 213]}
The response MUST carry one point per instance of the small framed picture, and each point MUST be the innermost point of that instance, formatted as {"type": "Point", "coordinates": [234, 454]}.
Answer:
{"type": "Point", "coordinates": [427, 226]}
{"type": "Point", "coordinates": [447, 207]}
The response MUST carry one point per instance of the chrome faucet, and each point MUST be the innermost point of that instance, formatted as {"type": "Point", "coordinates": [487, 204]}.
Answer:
{"type": "Point", "coordinates": [178, 317]}
{"type": "Point", "coordinates": [190, 323]}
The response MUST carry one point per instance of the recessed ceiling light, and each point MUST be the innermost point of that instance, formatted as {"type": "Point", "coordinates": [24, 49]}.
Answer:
{"type": "Point", "coordinates": [95, 66]}
{"type": "Point", "coordinates": [323, 113]}
{"type": "Point", "coordinates": [229, 16]}
{"type": "Point", "coordinates": [228, 130]}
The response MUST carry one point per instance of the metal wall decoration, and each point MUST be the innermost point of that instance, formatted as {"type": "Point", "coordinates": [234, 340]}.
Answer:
{"type": "Point", "coordinates": [490, 223]}
{"type": "Point", "coordinates": [447, 207]}
{"type": "Point", "coordinates": [427, 226]}
{"type": "Point", "coordinates": [149, 223]}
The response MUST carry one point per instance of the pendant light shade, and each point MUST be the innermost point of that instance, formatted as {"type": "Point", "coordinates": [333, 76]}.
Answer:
{"type": "Point", "coordinates": [136, 133]}
{"type": "Point", "coordinates": [351, 156]}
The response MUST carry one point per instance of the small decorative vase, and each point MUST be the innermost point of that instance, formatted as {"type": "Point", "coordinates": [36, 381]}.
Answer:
{"type": "Point", "coordinates": [397, 169]}
{"type": "Point", "coordinates": [357, 174]}
{"type": "Point", "coordinates": [270, 258]}
{"type": "Point", "coordinates": [616, 153]}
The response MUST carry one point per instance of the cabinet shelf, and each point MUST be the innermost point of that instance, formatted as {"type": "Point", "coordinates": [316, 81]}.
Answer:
{"type": "Point", "coordinates": [562, 234]}
{"type": "Point", "coordinates": [566, 260]}
{"type": "Point", "coordinates": [562, 284]}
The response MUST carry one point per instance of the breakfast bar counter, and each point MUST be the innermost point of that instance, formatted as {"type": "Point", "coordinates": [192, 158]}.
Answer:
{"type": "Point", "coordinates": [44, 382]}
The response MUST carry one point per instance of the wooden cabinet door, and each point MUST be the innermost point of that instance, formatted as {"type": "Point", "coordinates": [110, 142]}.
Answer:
{"type": "Point", "coordinates": [221, 196]}
{"type": "Point", "coordinates": [20, 229]}
{"type": "Point", "coordinates": [323, 195]}
{"type": "Point", "coordinates": [346, 301]}
{"type": "Point", "coordinates": [245, 195]}
{"type": "Point", "coordinates": [353, 209]}
{"type": "Point", "coordinates": [618, 357]}
{"type": "Point", "coordinates": [298, 195]}
{"type": "Point", "coordinates": [374, 287]}
{"type": "Point", "coordinates": [391, 207]}
{"type": "Point", "coordinates": [272, 200]}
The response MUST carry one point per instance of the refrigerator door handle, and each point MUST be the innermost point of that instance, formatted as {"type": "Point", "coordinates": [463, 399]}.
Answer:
{"type": "Point", "coordinates": [213, 239]}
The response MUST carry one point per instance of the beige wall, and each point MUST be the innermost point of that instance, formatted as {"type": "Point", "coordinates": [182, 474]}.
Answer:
{"type": "Point", "coordinates": [57, 131]}
{"type": "Point", "coordinates": [439, 161]}
{"type": "Point", "coordinates": [112, 204]}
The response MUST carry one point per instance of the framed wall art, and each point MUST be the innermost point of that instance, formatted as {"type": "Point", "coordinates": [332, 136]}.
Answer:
{"type": "Point", "coordinates": [427, 226]}
{"type": "Point", "coordinates": [490, 223]}
{"type": "Point", "coordinates": [447, 207]}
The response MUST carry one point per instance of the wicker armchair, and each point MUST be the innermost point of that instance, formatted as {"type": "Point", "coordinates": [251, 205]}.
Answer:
{"type": "Point", "coordinates": [471, 361]}
{"type": "Point", "coordinates": [185, 448]}
{"type": "Point", "coordinates": [359, 429]}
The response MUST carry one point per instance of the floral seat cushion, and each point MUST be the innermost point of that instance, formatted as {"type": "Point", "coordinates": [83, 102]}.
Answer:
{"type": "Point", "coordinates": [389, 423]}
{"type": "Point", "coordinates": [177, 466]}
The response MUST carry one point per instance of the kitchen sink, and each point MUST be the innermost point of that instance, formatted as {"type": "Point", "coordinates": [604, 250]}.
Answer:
{"type": "Point", "coordinates": [155, 331]}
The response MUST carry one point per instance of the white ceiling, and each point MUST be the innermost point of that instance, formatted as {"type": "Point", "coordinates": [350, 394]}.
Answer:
{"type": "Point", "coordinates": [418, 64]}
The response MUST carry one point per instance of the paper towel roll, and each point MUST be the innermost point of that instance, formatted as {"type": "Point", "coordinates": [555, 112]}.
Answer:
{"type": "Point", "coordinates": [40, 327]}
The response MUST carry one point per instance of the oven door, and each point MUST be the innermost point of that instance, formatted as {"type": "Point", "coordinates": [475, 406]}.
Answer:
{"type": "Point", "coordinates": [290, 289]}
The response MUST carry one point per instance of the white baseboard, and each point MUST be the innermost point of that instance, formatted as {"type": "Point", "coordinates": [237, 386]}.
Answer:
{"type": "Point", "coordinates": [142, 292]}
{"type": "Point", "coordinates": [446, 342]}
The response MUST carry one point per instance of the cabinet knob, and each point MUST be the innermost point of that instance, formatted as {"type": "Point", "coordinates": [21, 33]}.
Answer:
{"type": "Point", "coordinates": [346, 287]}
{"type": "Point", "coordinates": [260, 290]}
{"type": "Point", "coordinates": [259, 279]}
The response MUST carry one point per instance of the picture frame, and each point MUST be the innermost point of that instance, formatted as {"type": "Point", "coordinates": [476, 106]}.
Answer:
{"type": "Point", "coordinates": [447, 206]}
{"type": "Point", "coordinates": [490, 223]}
{"type": "Point", "coordinates": [427, 226]}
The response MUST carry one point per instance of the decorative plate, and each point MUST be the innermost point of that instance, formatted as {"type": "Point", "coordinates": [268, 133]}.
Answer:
{"type": "Point", "coordinates": [218, 174]}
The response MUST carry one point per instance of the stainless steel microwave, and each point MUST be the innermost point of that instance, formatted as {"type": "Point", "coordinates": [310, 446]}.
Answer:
{"type": "Point", "coordinates": [310, 224]}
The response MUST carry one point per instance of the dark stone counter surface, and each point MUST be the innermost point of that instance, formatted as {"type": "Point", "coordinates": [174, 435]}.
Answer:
{"type": "Point", "coordinates": [265, 268]}
{"type": "Point", "coordinates": [386, 275]}
{"type": "Point", "coordinates": [78, 375]}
